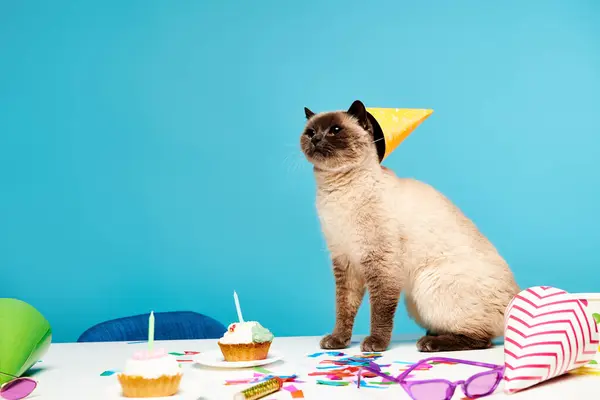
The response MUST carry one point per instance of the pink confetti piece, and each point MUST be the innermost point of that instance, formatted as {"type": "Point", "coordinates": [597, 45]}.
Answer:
{"type": "Point", "coordinates": [290, 388]}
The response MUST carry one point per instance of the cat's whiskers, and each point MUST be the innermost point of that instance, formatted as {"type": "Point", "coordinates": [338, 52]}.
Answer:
{"type": "Point", "coordinates": [294, 161]}
{"type": "Point", "coordinates": [377, 140]}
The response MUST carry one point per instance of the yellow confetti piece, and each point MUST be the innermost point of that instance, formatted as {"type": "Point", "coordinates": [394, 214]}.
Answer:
{"type": "Point", "coordinates": [585, 371]}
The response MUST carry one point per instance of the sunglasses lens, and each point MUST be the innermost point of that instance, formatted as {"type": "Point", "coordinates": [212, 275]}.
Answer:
{"type": "Point", "coordinates": [482, 384]}
{"type": "Point", "coordinates": [429, 391]}
{"type": "Point", "coordinates": [17, 389]}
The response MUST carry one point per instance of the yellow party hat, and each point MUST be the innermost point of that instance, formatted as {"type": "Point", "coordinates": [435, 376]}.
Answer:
{"type": "Point", "coordinates": [392, 125]}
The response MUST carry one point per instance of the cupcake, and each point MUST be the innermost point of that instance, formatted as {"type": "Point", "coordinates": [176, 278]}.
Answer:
{"type": "Point", "coordinates": [151, 374]}
{"type": "Point", "coordinates": [246, 341]}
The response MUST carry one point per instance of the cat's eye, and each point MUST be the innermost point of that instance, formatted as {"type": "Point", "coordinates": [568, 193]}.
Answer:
{"type": "Point", "coordinates": [334, 130]}
{"type": "Point", "coordinates": [310, 133]}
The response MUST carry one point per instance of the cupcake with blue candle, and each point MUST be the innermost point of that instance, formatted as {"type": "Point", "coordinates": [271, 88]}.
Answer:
{"type": "Point", "coordinates": [245, 341]}
{"type": "Point", "coordinates": [152, 372]}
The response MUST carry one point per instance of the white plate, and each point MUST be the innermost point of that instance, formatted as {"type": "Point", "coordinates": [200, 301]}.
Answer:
{"type": "Point", "coordinates": [215, 359]}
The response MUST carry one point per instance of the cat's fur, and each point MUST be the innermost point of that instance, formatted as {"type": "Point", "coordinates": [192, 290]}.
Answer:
{"type": "Point", "coordinates": [392, 235]}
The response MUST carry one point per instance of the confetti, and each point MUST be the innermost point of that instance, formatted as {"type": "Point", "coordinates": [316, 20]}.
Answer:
{"type": "Point", "coordinates": [191, 353]}
{"type": "Point", "coordinates": [405, 366]}
{"type": "Point", "coordinates": [181, 361]}
{"type": "Point", "coordinates": [596, 317]}
{"type": "Point", "coordinates": [330, 383]}
{"type": "Point", "coordinates": [372, 355]}
{"type": "Point", "coordinates": [137, 342]}
{"type": "Point", "coordinates": [329, 353]}
{"type": "Point", "coordinates": [290, 388]}
{"type": "Point", "coordinates": [585, 371]}
{"type": "Point", "coordinates": [328, 367]}
{"type": "Point", "coordinates": [108, 373]}
{"type": "Point", "coordinates": [593, 362]}
{"type": "Point", "coordinates": [368, 374]}
{"type": "Point", "coordinates": [257, 378]}
{"type": "Point", "coordinates": [364, 384]}
{"type": "Point", "coordinates": [287, 378]}
{"type": "Point", "coordinates": [262, 370]}
{"type": "Point", "coordinates": [177, 354]}
{"type": "Point", "coordinates": [298, 394]}
{"type": "Point", "coordinates": [237, 382]}
{"type": "Point", "coordinates": [442, 363]}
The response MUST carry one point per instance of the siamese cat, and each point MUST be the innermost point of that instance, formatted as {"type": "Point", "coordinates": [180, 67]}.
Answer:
{"type": "Point", "coordinates": [391, 235]}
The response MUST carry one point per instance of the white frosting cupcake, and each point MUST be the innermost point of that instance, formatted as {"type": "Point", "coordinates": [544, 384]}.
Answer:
{"type": "Point", "coordinates": [246, 332]}
{"type": "Point", "coordinates": [151, 374]}
{"type": "Point", "coordinates": [153, 367]}
{"type": "Point", "coordinates": [245, 341]}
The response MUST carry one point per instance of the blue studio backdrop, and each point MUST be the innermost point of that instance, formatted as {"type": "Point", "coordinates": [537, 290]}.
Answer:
{"type": "Point", "coordinates": [149, 153]}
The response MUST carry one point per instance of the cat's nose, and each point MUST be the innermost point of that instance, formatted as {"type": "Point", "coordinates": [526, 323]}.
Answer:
{"type": "Point", "coordinates": [315, 139]}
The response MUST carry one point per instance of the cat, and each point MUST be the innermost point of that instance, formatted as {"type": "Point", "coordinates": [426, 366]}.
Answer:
{"type": "Point", "coordinates": [390, 235]}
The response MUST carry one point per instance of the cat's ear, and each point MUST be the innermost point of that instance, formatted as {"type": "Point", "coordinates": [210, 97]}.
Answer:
{"type": "Point", "coordinates": [308, 113]}
{"type": "Point", "coordinates": [358, 110]}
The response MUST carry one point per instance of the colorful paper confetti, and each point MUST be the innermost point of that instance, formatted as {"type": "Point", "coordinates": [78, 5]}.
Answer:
{"type": "Point", "coordinates": [442, 363]}
{"type": "Point", "coordinates": [174, 353]}
{"type": "Point", "coordinates": [329, 353]}
{"type": "Point", "coordinates": [191, 353]}
{"type": "Point", "coordinates": [137, 342]}
{"type": "Point", "coordinates": [108, 373]}
{"type": "Point", "coordinates": [262, 370]}
{"type": "Point", "coordinates": [364, 384]}
{"type": "Point", "coordinates": [347, 370]}
{"type": "Point", "coordinates": [585, 371]}
{"type": "Point", "coordinates": [327, 366]}
{"type": "Point", "coordinates": [290, 388]}
{"type": "Point", "coordinates": [333, 383]}
{"type": "Point", "coordinates": [298, 394]}
{"type": "Point", "coordinates": [259, 377]}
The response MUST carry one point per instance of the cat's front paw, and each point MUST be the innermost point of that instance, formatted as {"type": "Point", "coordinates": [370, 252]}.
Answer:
{"type": "Point", "coordinates": [428, 344]}
{"type": "Point", "coordinates": [374, 344]}
{"type": "Point", "coordinates": [335, 342]}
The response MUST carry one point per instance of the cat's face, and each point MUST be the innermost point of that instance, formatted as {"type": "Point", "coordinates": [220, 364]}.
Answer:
{"type": "Point", "coordinates": [338, 140]}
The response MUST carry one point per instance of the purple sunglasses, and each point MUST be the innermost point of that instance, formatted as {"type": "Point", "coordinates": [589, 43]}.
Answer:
{"type": "Point", "coordinates": [18, 388]}
{"type": "Point", "coordinates": [479, 385]}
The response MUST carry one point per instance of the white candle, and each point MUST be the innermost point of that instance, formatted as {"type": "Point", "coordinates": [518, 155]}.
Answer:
{"type": "Point", "coordinates": [151, 331]}
{"type": "Point", "coordinates": [237, 306]}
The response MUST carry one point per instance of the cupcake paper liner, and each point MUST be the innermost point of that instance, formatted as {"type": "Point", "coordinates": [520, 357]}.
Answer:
{"type": "Point", "coordinates": [137, 386]}
{"type": "Point", "coordinates": [245, 351]}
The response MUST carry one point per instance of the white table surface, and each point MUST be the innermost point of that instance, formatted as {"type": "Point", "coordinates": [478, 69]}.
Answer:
{"type": "Point", "coordinates": [72, 371]}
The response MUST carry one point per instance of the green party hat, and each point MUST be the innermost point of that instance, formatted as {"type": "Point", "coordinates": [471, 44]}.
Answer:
{"type": "Point", "coordinates": [25, 336]}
